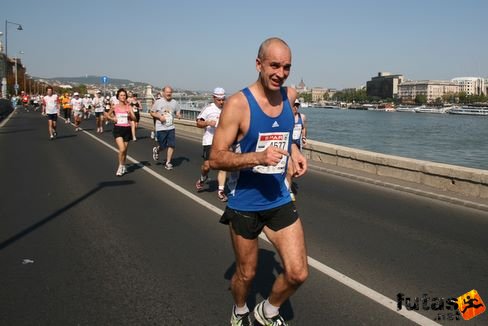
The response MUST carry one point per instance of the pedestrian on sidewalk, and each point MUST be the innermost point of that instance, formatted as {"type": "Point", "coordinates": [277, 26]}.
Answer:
{"type": "Point", "coordinates": [121, 114]}
{"type": "Point", "coordinates": [209, 119]}
{"type": "Point", "coordinates": [257, 122]}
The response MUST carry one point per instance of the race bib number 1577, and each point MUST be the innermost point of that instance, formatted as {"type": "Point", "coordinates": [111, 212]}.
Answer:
{"type": "Point", "coordinates": [277, 139]}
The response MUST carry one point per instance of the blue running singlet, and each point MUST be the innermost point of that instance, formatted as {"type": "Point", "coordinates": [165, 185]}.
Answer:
{"type": "Point", "coordinates": [262, 187]}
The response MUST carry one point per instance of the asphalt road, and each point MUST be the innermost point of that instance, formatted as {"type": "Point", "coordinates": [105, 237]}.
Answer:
{"type": "Point", "coordinates": [80, 246]}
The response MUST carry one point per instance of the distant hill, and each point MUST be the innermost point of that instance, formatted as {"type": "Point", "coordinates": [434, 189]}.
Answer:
{"type": "Point", "coordinates": [94, 80]}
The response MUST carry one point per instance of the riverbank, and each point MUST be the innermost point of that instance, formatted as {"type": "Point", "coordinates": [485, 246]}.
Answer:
{"type": "Point", "coordinates": [456, 184]}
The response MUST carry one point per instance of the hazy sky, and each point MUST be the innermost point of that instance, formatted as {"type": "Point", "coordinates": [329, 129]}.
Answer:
{"type": "Point", "coordinates": [202, 44]}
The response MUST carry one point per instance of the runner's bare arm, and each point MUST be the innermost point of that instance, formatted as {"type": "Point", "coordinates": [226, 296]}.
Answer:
{"type": "Point", "coordinates": [109, 114]}
{"type": "Point", "coordinates": [299, 161]}
{"type": "Point", "coordinates": [233, 124]}
{"type": "Point", "coordinates": [132, 115]}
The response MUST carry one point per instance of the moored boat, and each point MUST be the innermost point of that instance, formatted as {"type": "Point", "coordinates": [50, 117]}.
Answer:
{"type": "Point", "coordinates": [427, 109]}
{"type": "Point", "coordinates": [469, 110]}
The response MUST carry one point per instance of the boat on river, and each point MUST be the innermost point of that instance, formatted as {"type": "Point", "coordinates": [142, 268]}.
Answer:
{"type": "Point", "coordinates": [405, 109]}
{"type": "Point", "coordinates": [430, 109]}
{"type": "Point", "coordinates": [469, 110]}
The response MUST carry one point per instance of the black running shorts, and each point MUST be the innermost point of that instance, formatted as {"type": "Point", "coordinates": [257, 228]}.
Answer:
{"type": "Point", "coordinates": [250, 224]}
{"type": "Point", "coordinates": [123, 132]}
{"type": "Point", "coordinates": [206, 152]}
{"type": "Point", "coordinates": [52, 116]}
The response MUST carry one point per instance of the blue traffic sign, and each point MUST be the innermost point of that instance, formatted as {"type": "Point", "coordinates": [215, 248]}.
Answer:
{"type": "Point", "coordinates": [104, 79]}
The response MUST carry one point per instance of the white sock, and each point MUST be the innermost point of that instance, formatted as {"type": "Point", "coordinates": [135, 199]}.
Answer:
{"type": "Point", "coordinates": [221, 188]}
{"type": "Point", "coordinates": [203, 178]}
{"type": "Point", "coordinates": [269, 310]}
{"type": "Point", "coordinates": [241, 310]}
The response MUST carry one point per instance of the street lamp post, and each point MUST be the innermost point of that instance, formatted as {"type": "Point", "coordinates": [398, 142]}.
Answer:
{"type": "Point", "coordinates": [19, 27]}
{"type": "Point", "coordinates": [16, 86]}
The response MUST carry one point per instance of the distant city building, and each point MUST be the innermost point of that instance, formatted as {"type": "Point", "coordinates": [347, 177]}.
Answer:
{"type": "Point", "coordinates": [318, 93]}
{"type": "Point", "coordinates": [301, 87]}
{"type": "Point", "coordinates": [471, 85]}
{"type": "Point", "coordinates": [432, 89]}
{"type": "Point", "coordinates": [385, 85]}
{"type": "Point", "coordinates": [332, 92]}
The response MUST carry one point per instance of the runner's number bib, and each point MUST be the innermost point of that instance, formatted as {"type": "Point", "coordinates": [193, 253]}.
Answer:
{"type": "Point", "coordinates": [122, 118]}
{"type": "Point", "coordinates": [168, 119]}
{"type": "Point", "coordinates": [297, 132]}
{"type": "Point", "coordinates": [276, 139]}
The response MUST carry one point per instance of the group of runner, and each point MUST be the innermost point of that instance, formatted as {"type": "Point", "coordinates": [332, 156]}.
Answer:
{"type": "Point", "coordinates": [259, 138]}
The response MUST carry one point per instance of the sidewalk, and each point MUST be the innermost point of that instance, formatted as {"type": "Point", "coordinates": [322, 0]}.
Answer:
{"type": "Point", "coordinates": [405, 186]}
{"type": "Point", "coordinates": [410, 187]}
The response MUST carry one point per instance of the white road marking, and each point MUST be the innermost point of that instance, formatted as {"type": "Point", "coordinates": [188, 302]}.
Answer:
{"type": "Point", "coordinates": [341, 278]}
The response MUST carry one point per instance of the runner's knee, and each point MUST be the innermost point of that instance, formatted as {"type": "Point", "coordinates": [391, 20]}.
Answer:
{"type": "Point", "coordinates": [297, 276]}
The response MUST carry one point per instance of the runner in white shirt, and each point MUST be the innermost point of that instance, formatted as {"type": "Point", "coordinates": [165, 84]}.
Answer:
{"type": "Point", "coordinates": [164, 110]}
{"type": "Point", "coordinates": [87, 104]}
{"type": "Point", "coordinates": [77, 105]}
{"type": "Point", "coordinates": [50, 107]}
{"type": "Point", "coordinates": [98, 105]}
{"type": "Point", "coordinates": [209, 119]}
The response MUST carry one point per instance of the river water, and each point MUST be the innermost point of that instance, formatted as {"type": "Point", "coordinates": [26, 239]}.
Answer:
{"type": "Point", "coordinates": [443, 138]}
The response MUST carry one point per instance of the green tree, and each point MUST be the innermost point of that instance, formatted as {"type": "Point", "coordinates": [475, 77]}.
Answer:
{"type": "Point", "coordinates": [306, 97]}
{"type": "Point", "coordinates": [421, 99]}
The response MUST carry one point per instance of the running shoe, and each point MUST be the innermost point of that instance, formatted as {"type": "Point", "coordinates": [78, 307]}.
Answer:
{"type": "Point", "coordinates": [168, 166]}
{"type": "Point", "coordinates": [55, 133]}
{"type": "Point", "coordinates": [221, 195]}
{"type": "Point", "coordinates": [200, 183]}
{"type": "Point", "coordinates": [120, 171]}
{"type": "Point", "coordinates": [240, 320]}
{"type": "Point", "coordinates": [263, 320]}
{"type": "Point", "coordinates": [124, 169]}
{"type": "Point", "coordinates": [51, 137]}
{"type": "Point", "coordinates": [155, 153]}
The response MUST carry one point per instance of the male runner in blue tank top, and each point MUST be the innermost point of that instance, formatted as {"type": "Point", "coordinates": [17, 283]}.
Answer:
{"type": "Point", "coordinates": [258, 123]}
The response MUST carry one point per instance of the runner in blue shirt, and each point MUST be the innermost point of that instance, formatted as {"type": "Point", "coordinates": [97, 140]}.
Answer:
{"type": "Point", "coordinates": [258, 123]}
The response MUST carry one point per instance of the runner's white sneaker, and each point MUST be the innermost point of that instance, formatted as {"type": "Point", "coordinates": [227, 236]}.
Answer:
{"type": "Point", "coordinates": [240, 320]}
{"type": "Point", "coordinates": [263, 320]}
{"type": "Point", "coordinates": [155, 153]}
{"type": "Point", "coordinates": [120, 171]}
{"type": "Point", "coordinates": [168, 166]}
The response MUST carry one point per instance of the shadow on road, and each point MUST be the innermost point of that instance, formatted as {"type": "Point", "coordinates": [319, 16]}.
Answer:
{"type": "Point", "coordinates": [15, 131]}
{"type": "Point", "coordinates": [54, 215]}
{"type": "Point", "coordinates": [268, 268]}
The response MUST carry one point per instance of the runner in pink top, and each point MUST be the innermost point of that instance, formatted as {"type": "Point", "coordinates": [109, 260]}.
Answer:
{"type": "Point", "coordinates": [121, 114]}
